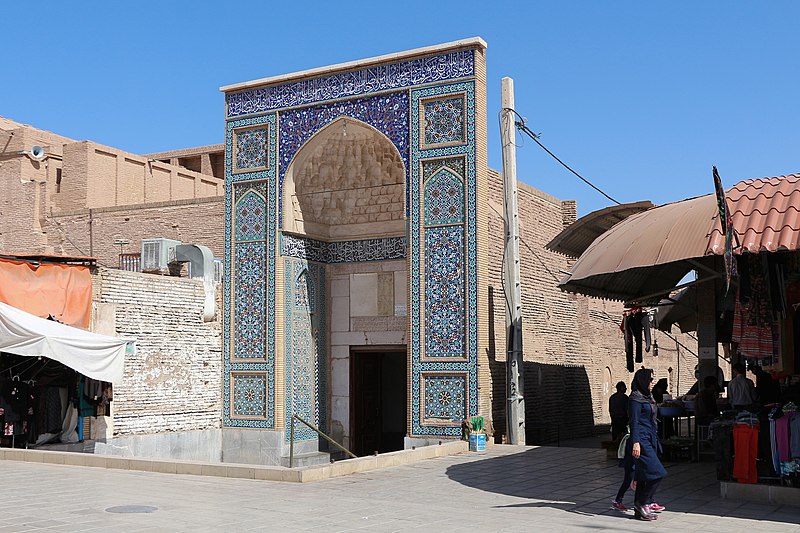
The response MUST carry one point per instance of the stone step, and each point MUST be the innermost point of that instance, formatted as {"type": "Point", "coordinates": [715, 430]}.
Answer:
{"type": "Point", "coordinates": [307, 459]}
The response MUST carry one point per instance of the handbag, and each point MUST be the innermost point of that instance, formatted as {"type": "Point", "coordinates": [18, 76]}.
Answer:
{"type": "Point", "coordinates": [622, 443]}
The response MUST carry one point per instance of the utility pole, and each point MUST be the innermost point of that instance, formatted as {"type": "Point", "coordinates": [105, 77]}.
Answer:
{"type": "Point", "coordinates": [515, 407]}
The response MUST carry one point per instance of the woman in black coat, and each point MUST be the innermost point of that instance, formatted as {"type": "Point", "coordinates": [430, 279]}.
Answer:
{"type": "Point", "coordinates": [645, 445]}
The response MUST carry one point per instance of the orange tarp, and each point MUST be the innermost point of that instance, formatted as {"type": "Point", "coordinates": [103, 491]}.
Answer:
{"type": "Point", "coordinates": [63, 291]}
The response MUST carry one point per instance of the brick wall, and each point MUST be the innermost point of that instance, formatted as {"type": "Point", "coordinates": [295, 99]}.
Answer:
{"type": "Point", "coordinates": [573, 348]}
{"type": "Point", "coordinates": [173, 382]}
{"type": "Point", "coordinates": [196, 221]}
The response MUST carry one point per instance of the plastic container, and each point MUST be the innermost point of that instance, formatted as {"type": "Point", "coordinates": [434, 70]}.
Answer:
{"type": "Point", "coordinates": [477, 442]}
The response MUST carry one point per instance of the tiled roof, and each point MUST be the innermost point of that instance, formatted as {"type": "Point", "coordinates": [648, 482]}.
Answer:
{"type": "Point", "coordinates": [765, 214]}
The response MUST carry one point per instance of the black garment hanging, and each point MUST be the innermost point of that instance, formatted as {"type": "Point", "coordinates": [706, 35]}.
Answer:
{"type": "Point", "coordinates": [635, 325]}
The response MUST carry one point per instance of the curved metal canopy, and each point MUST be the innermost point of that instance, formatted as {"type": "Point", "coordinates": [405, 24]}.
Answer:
{"type": "Point", "coordinates": [646, 255]}
{"type": "Point", "coordinates": [578, 236]}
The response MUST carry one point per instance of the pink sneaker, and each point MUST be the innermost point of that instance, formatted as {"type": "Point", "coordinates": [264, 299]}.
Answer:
{"type": "Point", "coordinates": [656, 508]}
{"type": "Point", "coordinates": [619, 506]}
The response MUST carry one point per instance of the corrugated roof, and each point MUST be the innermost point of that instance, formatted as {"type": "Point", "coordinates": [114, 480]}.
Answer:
{"type": "Point", "coordinates": [765, 214]}
{"type": "Point", "coordinates": [578, 236]}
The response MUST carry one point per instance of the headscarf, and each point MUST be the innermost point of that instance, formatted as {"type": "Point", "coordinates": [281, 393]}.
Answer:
{"type": "Point", "coordinates": [641, 389]}
{"type": "Point", "coordinates": [641, 382]}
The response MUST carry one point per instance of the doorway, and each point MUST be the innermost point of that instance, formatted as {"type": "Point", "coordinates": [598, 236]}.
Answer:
{"type": "Point", "coordinates": [377, 400]}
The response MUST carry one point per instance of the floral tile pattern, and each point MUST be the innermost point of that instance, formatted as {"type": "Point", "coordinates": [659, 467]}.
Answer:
{"type": "Point", "coordinates": [249, 291]}
{"type": "Point", "coordinates": [249, 395]}
{"type": "Point", "coordinates": [444, 121]}
{"type": "Point", "coordinates": [248, 333]}
{"type": "Point", "coordinates": [369, 80]}
{"type": "Point", "coordinates": [251, 216]}
{"type": "Point", "coordinates": [305, 345]}
{"type": "Point", "coordinates": [441, 339]}
{"type": "Point", "coordinates": [444, 199]}
{"type": "Point", "coordinates": [445, 398]}
{"type": "Point", "coordinates": [252, 148]}
{"type": "Point", "coordinates": [444, 292]}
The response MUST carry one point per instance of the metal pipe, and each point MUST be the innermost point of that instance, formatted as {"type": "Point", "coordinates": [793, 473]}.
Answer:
{"type": "Point", "coordinates": [319, 432]}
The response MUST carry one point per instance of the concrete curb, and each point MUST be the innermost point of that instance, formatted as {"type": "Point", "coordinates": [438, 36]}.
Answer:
{"type": "Point", "coordinates": [267, 473]}
{"type": "Point", "coordinates": [767, 494]}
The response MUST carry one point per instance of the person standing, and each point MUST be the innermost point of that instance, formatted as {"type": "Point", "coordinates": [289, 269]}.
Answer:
{"type": "Point", "coordinates": [618, 409]}
{"type": "Point", "coordinates": [741, 390]}
{"type": "Point", "coordinates": [645, 445]}
{"type": "Point", "coordinates": [767, 389]}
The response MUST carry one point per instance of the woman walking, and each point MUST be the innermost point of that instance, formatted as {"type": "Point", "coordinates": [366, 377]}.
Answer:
{"type": "Point", "coordinates": [644, 443]}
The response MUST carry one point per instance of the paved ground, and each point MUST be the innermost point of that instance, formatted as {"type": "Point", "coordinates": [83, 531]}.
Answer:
{"type": "Point", "coordinates": [510, 488]}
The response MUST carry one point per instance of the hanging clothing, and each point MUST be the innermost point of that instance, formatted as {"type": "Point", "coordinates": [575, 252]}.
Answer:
{"type": "Point", "coordinates": [794, 434]}
{"type": "Point", "coordinates": [636, 324]}
{"type": "Point", "coordinates": [782, 438]}
{"type": "Point", "coordinates": [745, 449]}
{"type": "Point", "coordinates": [754, 327]}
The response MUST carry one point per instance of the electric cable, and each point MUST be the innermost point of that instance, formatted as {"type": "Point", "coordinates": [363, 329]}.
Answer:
{"type": "Point", "coordinates": [520, 124]}
{"type": "Point", "coordinates": [66, 237]}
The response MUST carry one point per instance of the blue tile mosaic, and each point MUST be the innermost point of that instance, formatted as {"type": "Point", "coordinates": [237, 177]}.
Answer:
{"type": "Point", "coordinates": [425, 162]}
{"type": "Point", "coordinates": [445, 398]}
{"type": "Point", "coordinates": [444, 199]}
{"type": "Point", "coordinates": [305, 348]}
{"type": "Point", "coordinates": [251, 217]}
{"type": "Point", "coordinates": [252, 148]}
{"type": "Point", "coordinates": [444, 292]}
{"type": "Point", "coordinates": [248, 344]}
{"type": "Point", "coordinates": [250, 299]}
{"type": "Point", "coordinates": [249, 395]}
{"type": "Point", "coordinates": [369, 80]}
{"type": "Point", "coordinates": [343, 251]}
{"type": "Point", "coordinates": [444, 120]}
{"type": "Point", "coordinates": [397, 115]}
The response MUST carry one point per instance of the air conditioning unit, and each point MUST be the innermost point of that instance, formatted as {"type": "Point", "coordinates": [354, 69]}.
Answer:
{"type": "Point", "coordinates": [218, 269]}
{"type": "Point", "coordinates": [157, 254]}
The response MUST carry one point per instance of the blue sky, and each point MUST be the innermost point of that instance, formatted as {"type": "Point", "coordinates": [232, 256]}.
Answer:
{"type": "Point", "coordinates": [641, 98]}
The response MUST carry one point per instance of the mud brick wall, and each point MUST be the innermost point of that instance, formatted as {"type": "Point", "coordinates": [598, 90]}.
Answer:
{"type": "Point", "coordinates": [573, 347]}
{"type": "Point", "coordinates": [173, 382]}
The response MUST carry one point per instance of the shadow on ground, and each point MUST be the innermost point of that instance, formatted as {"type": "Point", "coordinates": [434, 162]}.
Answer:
{"type": "Point", "coordinates": [583, 481]}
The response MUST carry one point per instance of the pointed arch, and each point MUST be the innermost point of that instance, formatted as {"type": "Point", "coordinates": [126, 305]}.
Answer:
{"type": "Point", "coordinates": [443, 198]}
{"type": "Point", "coordinates": [346, 182]}
{"type": "Point", "coordinates": [251, 217]}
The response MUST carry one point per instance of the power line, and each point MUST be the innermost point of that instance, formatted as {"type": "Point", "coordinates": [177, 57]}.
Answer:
{"type": "Point", "coordinates": [520, 124]}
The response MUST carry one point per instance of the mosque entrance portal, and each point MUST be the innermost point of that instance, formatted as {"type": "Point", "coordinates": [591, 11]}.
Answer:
{"type": "Point", "coordinates": [378, 406]}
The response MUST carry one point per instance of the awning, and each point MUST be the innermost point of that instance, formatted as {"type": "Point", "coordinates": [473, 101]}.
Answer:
{"type": "Point", "coordinates": [644, 256]}
{"type": "Point", "coordinates": [95, 356]}
{"type": "Point", "coordinates": [681, 309]}
{"type": "Point", "coordinates": [59, 290]}
{"type": "Point", "coordinates": [578, 236]}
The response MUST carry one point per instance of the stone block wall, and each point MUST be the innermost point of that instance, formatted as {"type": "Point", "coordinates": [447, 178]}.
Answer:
{"type": "Point", "coordinates": [573, 347]}
{"type": "Point", "coordinates": [173, 381]}
{"type": "Point", "coordinates": [368, 308]}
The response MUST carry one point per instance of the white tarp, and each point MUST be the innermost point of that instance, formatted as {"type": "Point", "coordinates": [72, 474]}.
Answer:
{"type": "Point", "coordinates": [96, 356]}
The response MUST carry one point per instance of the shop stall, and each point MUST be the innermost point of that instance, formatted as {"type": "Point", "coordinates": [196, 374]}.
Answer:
{"type": "Point", "coordinates": [726, 266]}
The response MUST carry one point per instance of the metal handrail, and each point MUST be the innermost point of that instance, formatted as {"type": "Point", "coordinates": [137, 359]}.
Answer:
{"type": "Point", "coordinates": [319, 432]}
